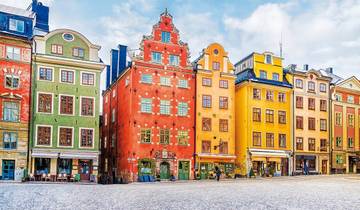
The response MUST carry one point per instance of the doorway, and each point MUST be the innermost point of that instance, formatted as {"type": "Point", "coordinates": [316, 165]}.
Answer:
{"type": "Point", "coordinates": [164, 170]}
{"type": "Point", "coordinates": [8, 169]}
{"type": "Point", "coordinates": [324, 166]}
{"type": "Point", "coordinates": [85, 169]}
{"type": "Point", "coordinates": [184, 170]}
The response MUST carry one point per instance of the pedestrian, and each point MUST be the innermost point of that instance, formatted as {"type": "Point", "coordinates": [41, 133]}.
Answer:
{"type": "Point", "coordinates": [218, 173]}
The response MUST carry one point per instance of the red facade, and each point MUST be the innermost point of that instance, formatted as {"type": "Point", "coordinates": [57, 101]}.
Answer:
{"type": "Point", "coordinates": [128, 122]}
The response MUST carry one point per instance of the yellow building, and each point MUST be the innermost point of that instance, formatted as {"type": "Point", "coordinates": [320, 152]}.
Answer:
{"type": "Point", "coordinates": [215, 123]}
{"type": "Point", "coordinates": [311, 121]}
{"type": "Point", "coordinates": [263, 118]}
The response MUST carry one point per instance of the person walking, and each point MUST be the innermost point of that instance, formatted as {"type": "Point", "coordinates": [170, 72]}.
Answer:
{"type": "Point", "coordinates": [218, 173]}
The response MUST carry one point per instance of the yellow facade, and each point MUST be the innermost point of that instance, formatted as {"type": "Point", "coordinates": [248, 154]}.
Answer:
{"type": "Point", "coordinates": [215, 140]}
{"type": "Point", "coordinates": [259, 101]}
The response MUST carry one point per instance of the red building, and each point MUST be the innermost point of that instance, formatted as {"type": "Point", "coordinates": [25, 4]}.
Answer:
{"type": "Point", "coordinates": [149, 109]}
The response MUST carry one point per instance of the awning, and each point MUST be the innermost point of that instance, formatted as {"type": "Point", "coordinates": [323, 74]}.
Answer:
{"type": "Point", "coordinates": [219, 156]}
{"type": "Point", "coordinates": [269, 153]}
{"type": "Point", "coordinates": [260, 159]}
{"type": "Point", "coordinates": [277, 159]}
{"type": "Point", "coordinates": [92, 156]}
{"type": "Point", "coordinates": [305, 157]}
{"type": "Point", "coordinates": [44, 154]}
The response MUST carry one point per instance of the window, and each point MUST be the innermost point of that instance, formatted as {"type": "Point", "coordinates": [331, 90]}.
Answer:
{"type": "Point", "coordinates": [16, 25]}
{"type": "Point", "coordinates": [224, 84]}
{"type": "Point", "coordinates": [322, 87]}
{"type": "Point", "coordinates": [299, 83]}
{"type": "Point", "coordinates": [323, 125]}
{"type": "Point", "coordinates": [311, 144]}
{"type": "Point", "coordinates": [67, 76]}
{"type": "Point", "coordinates": [282, 140]}
{"type": "Point", "coordinates": [113, 115]}
{"type": "Point", "coordinates": [223, 147]}
{"type": "Point", "coordinates": [66, 105]}
{"type": "Point", "coordinates": [87, 106]}
{"type": "Point", "coordinates": [78, 52]}
{"type": "Point", "coordinates": [256, 139]}
{"type": "Point", "coordinates": [338, 97]}
{"type": "Point", "coordinates": [263, 74]}
{"type": "Point", "coordinates": [65, 136]}
{"type": "Point", "coordinates": [256, 94]}
{"type": "Point", "coordinates": [270, 116]}
{"type": "Point", "coordinates": [223, 125]}
{"type": "Point", "coordinates": [183, 109]}
{"type": "Point", "coordinates": [165, 81]}
{"type": "Point", "coordinates": [299, 102]}
{"type": "Point", "coordinates": [299, 122]}
{"type": "Point", "coordinates": [13, 53]}
{"type": "Point", "coordinates": [183, 137]}
{"type": "Point", "coordinates": [174, 60]}
{"type": "Point", "coordinates": [275, 76]}
{"type": "Point", "coordinates": [216, 65]}
{"type": "Point", "coordinates": [223, 102]}
{"type": "Point", "coordinates": [183, 83]}
{"type": "Point", "coordinates": [164, 136]}
{"type": "Point", "coordinates": [165, 107]}
{"type": "Point", "coordinates": [350, 142]}
{"type": "Point", "coordinates": [146, 105]}
{"type": "Point", "coordinates": [165, 36]}
{"type": "Point", "coordinates": [311, 122]}
{"type": "Point", "coordinates": [269, 95]}
{"type": "Point", "coordinates": [45, 74]}
{"type": "Point", "coordinates": [206, 124]}
{"type": "Point", "coordinates": [12, 81]}
{"type": "Point", "coordinates": [311, 105]}
{"type": "Point", "coordinates": [145, 135]}
{"type": "Point", "coordinates": [56, 49]}
{"type": "Point", "coordinates": [282, 97]}
{"type": "Point", "coordinates": [269, 140]}
{"type": "Point", "coordinates": [338, 142]}
{"type": "Point", "coordinates": [323, 105]}
{"type": "Point", "coordinates": [43, 135]}
{"type": "Point", "coordinates": [10, 140]}
{"type": "Point", "coordinates": [87, 78]}
{"type": "Point", "coordinates": [146, 78]}
{"type": "Point", "coordinates": [338, 118]}
{"type": "Point", "coordinates": [205, 146]}
{"type": "Point", "coordinates": [339, 159]}
{"type": "Point", "coordinates": [323, 145]}
{"type": "Point", "coordinates": [282, 117]}
{"type": "Point", "coordinates": [206, 101]}
{"type": "Point", "coordinates": [87, 137]}
{"type": "Point", "coordinates": [206, 82]}
{"type": "Point", "coordinates": [350, 120]}
{"type": "Point", "coordinates": [44, 103]}
{"type": "Point", "coordinates": [268, 59]}
{"type": "Point", "coordinates": [11, 111]}
{"type": "Point", "coordinates": [256, 114]}
{"type": "Point", "coordinates": [350, 99]}
{"type": "Point", "coordinates": [156, 57]}
{"type": "Point", "coordinates": [299, 143]}
{"type": "Point", "coordinates": [311, 86]}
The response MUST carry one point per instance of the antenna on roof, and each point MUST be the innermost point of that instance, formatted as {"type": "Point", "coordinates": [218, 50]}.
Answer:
{"type": "Point", "coordinates": [281, 45]}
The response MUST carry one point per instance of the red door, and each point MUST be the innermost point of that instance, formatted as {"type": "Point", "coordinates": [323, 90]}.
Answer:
{"type": "Point", "coordinates": [84, 169]}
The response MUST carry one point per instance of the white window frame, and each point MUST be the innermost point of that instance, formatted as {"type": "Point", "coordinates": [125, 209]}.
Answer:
{"type": "Point", "coordinates": [271, 56]}
{"type": "Point", "coordinates": [16, 21]}
{"type": "Point", "coordinates": [187, 83]}
{"type": "Point", "coordinates": [80, 107]}
{"type": "Point", "coordinates": [81, 78]}
{"type": "Point", "coordinates": [37, 102]}
{"type": "Point", "coordinates": [13, 50]}
{"type": "Point", "coordinates": [46, 67]}
{"type": "Point", "coordinates": [68, 83]}
{"type": "Point", "coordinates": [165, 81]}
{"type": "Point", "coordinates": [36, 135]}
{"type": "Point", "coordinates": [12, 76]}
{"type": "Point", "coordinates": [59, 105]}
{"type": "Point", "coordinates": [93, 142]}
{"type": "Point", "coordinates": [72, 137]}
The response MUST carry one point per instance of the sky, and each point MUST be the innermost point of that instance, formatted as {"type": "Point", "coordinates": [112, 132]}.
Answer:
{"type": "Point", "coordinates": [321, 33]}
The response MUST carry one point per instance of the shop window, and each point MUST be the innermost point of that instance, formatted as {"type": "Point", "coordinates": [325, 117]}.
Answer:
{"type": "Point", "coordinates": [64, 166]}
{"type": "Point", "coordinates": [11, 111]}
{"type": "Point", "coordinates": [44, 135]}
{"type": "Point", "coordinates": [87, 137]}
{"type": "Point", "coordinates": [164, 136]}
{"type": "Point", "coordinates": [42, 166]}
{"type": "Point", "coordinates": [145, 135]}
{"type": "Point", "coordinates": [87, 106]}
{"type": "Point", "coordinates": [67, 105]}
{"type": "Point", "coordinates": [206, 124]}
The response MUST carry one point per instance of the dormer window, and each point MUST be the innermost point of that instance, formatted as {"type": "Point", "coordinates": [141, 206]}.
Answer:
{"type": "Point", "coordinates": [275, 76]}
{"type": "Point", "coordinates": [268, 59]}
{"type": "Point", "coordinates": [57, 49]}
{"type": "Point", "coordinates": [165, 36]}
{"type": "Point", "coordinates": [78, 52]}
{"type": "Point", "coordinates": [156, 57]}
{"type": "Point", "coordinates": [17, 25]}
{"type": "Point", "coordinates": [263, 74]}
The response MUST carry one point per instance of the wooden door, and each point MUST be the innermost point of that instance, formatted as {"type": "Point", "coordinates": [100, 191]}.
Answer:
{"type": "Point", "coordinates": [8, 169]}
{"type": "Point", "coordinates": [204, 171]}
{"type": "Point", "coordinates": [164, 170]}
{"type": "Point", "coordinates": [84, 169]}
{"type": "Point", "coordinates": [184, 170]}
{"type": "Point", "coordinates": [324, 167]}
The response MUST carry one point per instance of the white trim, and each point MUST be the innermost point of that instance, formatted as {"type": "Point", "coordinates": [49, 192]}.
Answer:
{"type": "Point", "coordinates": [72, 137]}
{"type": "Point", "coordinates": [80, 107]}
{"type": "Point", "coordinates": [73, 39]}
{"type": "Point", "coordinates": [12, 75]}
{"type": "Point", "coordinates": [93, 141]}
{"type": "Point", "coordinates": [59, 103]}
{"type": "Point", "coordinates": [37, 102]}
{"type": "Point", "coordinates": [81, 82]}
{"type": "Point", "coordinates": [74, 79]}
{"type": "Point", "coordinates": [38, 74]}
{"type": "Point", "coordinates": [36, 135]}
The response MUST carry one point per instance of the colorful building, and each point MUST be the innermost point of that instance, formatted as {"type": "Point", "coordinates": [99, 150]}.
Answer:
{"type": "Point", "coordinates": [311, 121]}
{"type": "Point", "coordinates": [263, 116]}
{"type": "Point", "coordinates": [345, 117]}
{"type": "Point", "coordinates": [149, 108]}
{"type": "Point", "coordinates": [65, 106]}
{"type": "Point", "coordinates": [215, 112]}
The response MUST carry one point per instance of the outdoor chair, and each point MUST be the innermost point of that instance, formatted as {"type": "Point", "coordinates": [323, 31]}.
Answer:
{"type": "Point", "coordinates": [59, 177]}
{"type": "Point", "coordinates": [48, 177]}
{"type": "Point", "coordinates": [72, 178]}
{"type": "Point", "coordinates": [43, 177]}
{"type": "Point", "coordinates": [31, 177]}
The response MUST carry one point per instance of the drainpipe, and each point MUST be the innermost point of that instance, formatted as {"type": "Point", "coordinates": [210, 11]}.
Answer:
{"type": "Point", "coordinates": [330, 106]}
{"type": "Point", "coordinates": [293, 128]}
{"type": "Point", "coordinates": [195, 118]}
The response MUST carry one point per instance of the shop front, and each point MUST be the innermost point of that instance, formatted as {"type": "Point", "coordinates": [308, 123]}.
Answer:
{"type": "Point", "coordinates": [206, 164]}
{"type": "Point", "coordinates": [269, 162]}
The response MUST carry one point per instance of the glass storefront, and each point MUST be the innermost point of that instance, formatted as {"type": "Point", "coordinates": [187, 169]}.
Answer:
{"type": "Point", "coordinates": [42, 166]}
{"type": "Point", "coordinates": [64, 166]}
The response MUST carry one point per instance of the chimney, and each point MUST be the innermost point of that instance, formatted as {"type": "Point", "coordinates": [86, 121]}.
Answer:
{"type": "Point", "coordinates": [329, 70]}
{"type": "Point", "coordinates": [41, 17]}
{"type": "Point", "coordinates": [114, 60]}
{"type": "Point", "coordinates": [306, 67]}
{"type": "Point", "coordinates": [108, 79]}
{"type": "Point", "coordinates": [122, 58]}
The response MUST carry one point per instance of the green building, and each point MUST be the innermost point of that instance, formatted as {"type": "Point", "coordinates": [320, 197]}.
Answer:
{"type": "Point", "coordinates": [65, 106]}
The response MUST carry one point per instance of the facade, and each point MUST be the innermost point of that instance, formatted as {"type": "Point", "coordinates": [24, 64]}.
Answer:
{"type": "Point", "coordinates": [345, 117]}
{"type": "Point", "coordinates": [15, 72]}
{"type": "Point", "coordinates": [215, 112]}
{"type": "Point", "coordinates": [65, 107]}
{"type": "Point", "coordinates": [311, 121]}
{"type": "Point", "coordinates": [263, 119]}
{"type": "Point", "coordinates": [149, 109]}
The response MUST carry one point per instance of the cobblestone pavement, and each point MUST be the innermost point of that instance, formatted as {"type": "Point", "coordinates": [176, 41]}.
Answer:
{"type": "Point", "coordinates": [312, 192]}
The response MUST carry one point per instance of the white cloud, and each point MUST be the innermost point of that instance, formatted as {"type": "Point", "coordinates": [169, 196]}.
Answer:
{"type": "Point", "coordinates": [23, 3]}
